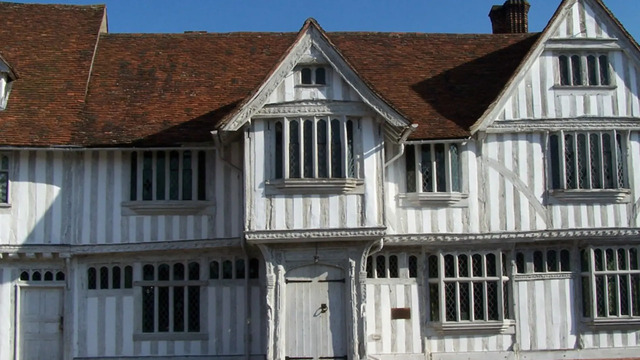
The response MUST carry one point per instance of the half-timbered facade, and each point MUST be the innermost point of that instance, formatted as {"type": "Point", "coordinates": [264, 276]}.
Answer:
{"type": "Point", "coordinates": [319, 195]}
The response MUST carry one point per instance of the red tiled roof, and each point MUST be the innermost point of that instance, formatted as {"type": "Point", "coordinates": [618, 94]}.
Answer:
{"type": "Point", "coordinates": [50, 47]}
{"type": "Point", "coordinates": [163, 89]}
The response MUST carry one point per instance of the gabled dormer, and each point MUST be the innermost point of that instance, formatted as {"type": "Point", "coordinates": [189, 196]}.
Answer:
{"type": "Point", "coordinates": [7, 77]}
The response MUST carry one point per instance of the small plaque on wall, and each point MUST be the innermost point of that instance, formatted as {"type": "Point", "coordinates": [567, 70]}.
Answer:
{"type": "Point", "coordinates": [400, 313]}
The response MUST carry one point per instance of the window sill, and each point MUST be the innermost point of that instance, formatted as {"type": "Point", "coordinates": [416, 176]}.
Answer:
{"type": "Point", "coordinates": [435, 198]}
{"type": "Point", "coordinates": [165, 207]}
{"type": "Point", "coordinates": [315, 186]}
{"type": "Point", "coordinates": [5, 206]}
{"type": "Point", "coordinates": [614, 323]}
{"type": "Point", "coordinates": [494, 327]}
{"type": "Point", "coordinates": [585, 88]}
{"type": "Point", "coordinates": [592, 196]}
{"type": "Point", "coordinates": [183, 336]}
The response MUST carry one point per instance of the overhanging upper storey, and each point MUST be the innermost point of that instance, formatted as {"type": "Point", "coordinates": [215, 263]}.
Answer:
{"type": "Point", "coordinates": [311, 62]}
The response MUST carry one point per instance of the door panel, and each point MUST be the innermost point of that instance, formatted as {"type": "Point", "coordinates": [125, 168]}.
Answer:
{"type": "Point", "coordinates": [315, 313]}
{"type": "Point", "coordinates": [40, 323]}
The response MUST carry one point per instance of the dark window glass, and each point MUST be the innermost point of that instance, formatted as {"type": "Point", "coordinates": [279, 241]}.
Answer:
{"type": "Point", "coordinates": [305, 76]}
{"type": "Point", "coordinates": [393, 266]}
{"type": "Point", "coordinates": [552, 261]}
{"type": "Point", "coordinates": [48, 276]}
{"type": "Point", "coordinates": [413, 266]}
{"type": "Point", "coordinates": [36, 276]}
{"type": "Point", "coordinates": [202, 175]}
{"type": "Point", "coordinates": [240, 270]}
{"type": "Point", "coordinates": [214, 270]}
{"type": "Point", "coordinates": [381, 266]}
{"type": "Point", "coordinates": [227, 269]}
{"type": "Point", "coordinates": [554, 145]}
{"type": "Point", "coordinates": [565, 260]}
{"type": "Point", "coordinates": [115, 277]}
{"type": "Point", "coordinates": [164, 272]}
{"type": "Point", "coordinates": [369, 267]}
{"type": "Point", "coordinates": [538, 261]}
{"type": "Point", "coordinates": [278, 146]}
{"type": "Point", "coordinates": [194, 308]}
{"type": "Point", "coordinates": [148, 304]}
{"type": "Point", "coordinates": [441, 173]}
{"type": "Point", "coordinates": [254, 268]}
{"type": "Point", "coordinates": [187, 176]}
{"type": "Point", "coordinates": [426, 168]}
{"type": "Point", "coordinates": [491, 265]}
{"type": "Point", "coordinates": [147, 175]}
{"type": "Point", "coordinates": [336, 149]}
{"type": "Point", "coordinates": [163, 309]}
{"type": "Point", "coordinates": [160, 175]}
{"type": "Point", "coordinates": [520, 263]}
{"type": "Point", "coordinates": [592, 70]}
{"type": "Point", "coordinates": [604, 70]}
{"type": "Point", "coordinates": [351, 163]}
{"type": "Point", "coordinates": [178, 271]}
{"type": "Point", "coordinates": [178, 308]}
{"type": "Point", "coordinates": [576, 68]}
{"type": "Point", "coordinates": [59, 276]}
{"type": "Point", "coordinates": [454, 152]}
{"type": "Point", "coordinates": [320, 76]}
{"type": "Point", "coordinates": [433, 267]}
{"type": "Point", "coordinates": [174, 175]}
{"type": "Point", "coordinates": [128, 277]}
{"type": "Point", "coordinates": [308, 149]}
{"type": "Point", "coordinates": [564, 70]}
{"type": "Point", "coordinates": [133, 188]}
{"type": "Point", "coordinates": [294, 150]}
{"type": "Point", "coordinates": [410, 160]}
{"type": "Point", "coordinates": [449, 268]}
{"type": "Point", "coordinates": [104, 277]}
{"type": "Point", "coordinates": [194, 271]}
{"type": "Point", "coordinates": [148, 272]}
{"type": "Point", "coordinates": [91, 278]}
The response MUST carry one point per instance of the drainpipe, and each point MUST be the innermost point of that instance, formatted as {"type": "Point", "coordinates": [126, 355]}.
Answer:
{"type": "Point", "coordinates": [403, 138]}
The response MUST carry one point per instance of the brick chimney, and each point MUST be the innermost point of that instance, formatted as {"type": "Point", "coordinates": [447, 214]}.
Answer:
{"type": "Point", "coordinates": [511, 17]}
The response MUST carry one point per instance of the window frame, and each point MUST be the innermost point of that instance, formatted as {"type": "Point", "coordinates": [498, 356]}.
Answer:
{"type": "Point", "coordinates": [306, 177]}
{"type": "Point", "coordinates": [313, 75]}
{"type": "Point", "coordinates": [604, 171]}
{"type": "Point", "coordinates": [172, 284]}
{"type": "Point", "coordinates": [144, 165]}
{"type": "Point", "coordinates": [436, 292]}
{"type": "Point", "coordinates": [5, 168]}
{"type": "Point", "coordinates": [589, 274]}
{"type": "Point", "coordinates": [575, 70]}
{"type": "Point", "coordinates": [452, 166]}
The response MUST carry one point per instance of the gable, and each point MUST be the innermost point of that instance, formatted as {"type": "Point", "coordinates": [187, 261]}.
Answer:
{"type": "Point", "coordinates": [605, 83]}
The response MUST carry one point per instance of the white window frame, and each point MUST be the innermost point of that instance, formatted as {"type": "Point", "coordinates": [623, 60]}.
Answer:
{"type": "Point", "coordinates": [623, 276]}
{"type": "Point", "coordinates": [5, 164]}
{"type": "Point", "coordinates": [346, 179]}
{"type": "Point", "coordinates": [594, 187]}
{"type": "Point", "coordinates": [501, 324]}
{"type": "Point", "coordinates": [451, 194]}
{"type": "Point", "coordinates": [313, 69]}
{"type": "Point", "coordinates": [171, 284]}
{"type": "Point", "coordinates": [585, 80]}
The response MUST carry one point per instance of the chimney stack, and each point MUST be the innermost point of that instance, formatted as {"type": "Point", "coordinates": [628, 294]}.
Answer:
{"type": "Point", "coordinates": [511, 17]}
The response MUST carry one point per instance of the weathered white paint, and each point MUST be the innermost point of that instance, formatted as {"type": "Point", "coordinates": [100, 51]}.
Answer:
{"type": "Point", "coordinates": [40, 324]}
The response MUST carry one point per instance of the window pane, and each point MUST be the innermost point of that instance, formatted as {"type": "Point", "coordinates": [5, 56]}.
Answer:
{"type": "Point", "coordinates": [147, 175]}
{"type": "Point", "coordinates": [369, 267]}
{"type": "Point", "coordinates": [633, 259]}
{"type": "Point", "coordinates": [449, 268]}
{"type": "Point", "coordinates": [600, 296]}
{"type": "Point", "coordinates": [133, 186]}
{"type": "Point", "coordinates": [187, 176]}
{"type": "Point", "coordinates": [478, 300]}
{"type": "Point", "coordinates": [115, 277]}
{"type": "Point", "coordinates": [520, 264]}
{"type": "Point", "coordinates": [128, 277]}
{"type": "Point", "coordinates": [554, 145]}
{"type": "Point", "coordinates": [36, 276]}
{"type": "Point", "coordinates": [214, 270]}
{"type": "Point", "coordinates": [254, 268]}
{"type": "Point", "coordinates": [635, 294]}
{"type": "Point", "coordinates": [104, 277]}
{"type": "Point", "coordinates": [413, 266]}
{"type": "Point", "coordinates": [305, 76]}
{"type": "Point", "coordinates": [493, 300]}
{"type": "Point", "coordinates": [91, 278]}
{"type": "Point", "coordinates": [595, 154]}
{"type": "Point", "coordinates": [465, 302]}
{"type": "Point", "coordinates": [174, 174]}
{"type": "Point", "coordinates": [178, 309]}
{"type": "Point", "coordinates": [278, 146]}
{"type": "Point", "coordinates": [194, 308]}
{"type": "Point", "coordinates": [381, 266]}
{"type": "Point", "coordinates": [433, 267]}
{"type": "Point", "coordinates": [59, 276]}
{"type": "Point", "coordinates": [4, 162]}
{"type": "Point", "coordinates": [592, 70]}
{"type": "Point", "coordinates": [582, 161]}
{"type": "Point", "coordinates": [322, 148]}
{"type": "Point", "coordinates": [336, 149]}
{"type": "Point", "coordinates": [160, 175]}
{"type": "Point", "coordinates": [147, 272]}
{"type": "Point", "coordinates": [426, 168]}
{"type": "Point", "coordinates": [623, 284]}
{"type": "Point", "coordinates": [194, 271]}
{"type": "Point", "coordinates": [178, 271]}
{"type": "Point", "coordinates": [538, 261]}
{"type": "Point", "coordinates": [441, 172]}
{"type": "Point", "coordinates": [410, 164]}
{"type": "Point", "coordinates": [4, 187]}
{"type": "Point", "coordinates": [148, 308]}
{"type": "Point", "coordinates": [576, 67]}
{"type": "Point", "coordinates": [564, 70]}
{"type": "Point", "coordinates": [163, 272]}
{"type": "Point", "coordinates": [227, 269]}
{"type": "Point", "coordinates": [455, 167]}
{"type": "Point", "coordinates": [565, 260]}
{"type": "Point", "coordinates": [552, 261]}
{"type": "Point", "coordinates": [202, 175]}
{"type": "Point", "coordinates": [294, 150]}
{"type": "Point", "coordinates": [48, 276]}
{"type": "Point", "coordinates": [491, 265]}
{"type": "Point", "coordinates": [434, 302]}
{"type": "Point", "coordinates": [393, 266]}
{"type": "Point", "coordinates": [351, 163]}
{"type": "Point", "coordinates": [476, 265]}
{"type": "Point", "coordinates": [451, 311]}
{"type": "Point", "coordinates": [607, 161]}
{"type": "Point", "coordinates": [308, 149]}
{"type": "Point", "coordinates": [586, 297]}
{"type": "Point", "coordinates": [569, 162]}
{"type": "Point", "coordinates": [604, 70]}
{"type": "Point", "coordinates": [463, 266]}
{"type": "Point", "coordinates": [163, 308]}
{"type": "Point", "coordinates": [320, 76]}
{"type": "Point", "coordinates": [620, 163]}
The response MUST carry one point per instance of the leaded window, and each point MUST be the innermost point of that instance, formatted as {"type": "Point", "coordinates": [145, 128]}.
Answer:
{"type": "Point", "coordinates": [611, 282]}
{"type": "Point", "coordinates": [168, 175]}
{"type": "Point", "coordinates": [468, 287]}
{"type": "Point", "coordinates": [383, 266]}
{"type": "Point", "coordinates": [4, 179]}
{"type": "Point", "coordinates": [110, 277]}
{"type": "Point", "coordinates": [588, 160]}
{"type": "Point", "coordinates": [312, 75]}
{"type": "Point", "coordinates": [543, 261]}
{"type": "Point", "coordinates": [315, 147]}
{"type": "Point", "coordinates": [433, 167]}
{"type": "Point", "coordinates": [584, 70]}
{"type": "Point", "coordinates": [171, 297]}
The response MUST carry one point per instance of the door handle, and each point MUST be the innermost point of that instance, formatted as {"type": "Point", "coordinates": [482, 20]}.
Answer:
{"type": "Point", "coordinates": [323, 308]}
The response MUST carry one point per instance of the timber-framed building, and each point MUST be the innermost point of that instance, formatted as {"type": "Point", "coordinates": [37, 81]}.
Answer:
{"type": "Point", "coordinates": [319, 195]}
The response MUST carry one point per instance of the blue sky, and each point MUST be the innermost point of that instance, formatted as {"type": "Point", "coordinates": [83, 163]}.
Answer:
{"type": "Point", "coordinates": [458, 16]}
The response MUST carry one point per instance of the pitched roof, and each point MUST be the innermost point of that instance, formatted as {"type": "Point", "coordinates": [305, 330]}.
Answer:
{"type": "Point", "coordinates": [163, 89]}
{"type": "Point", "coordinates": [51, 48]}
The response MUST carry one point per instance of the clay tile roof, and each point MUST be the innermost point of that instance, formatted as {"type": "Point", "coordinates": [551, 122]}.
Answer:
{"type": "Point", "coordinates": [442, 82]}
{"type": "Point", "coordinates": [50, 47]}
{"type": "Point", "coordinates": [165, 89]}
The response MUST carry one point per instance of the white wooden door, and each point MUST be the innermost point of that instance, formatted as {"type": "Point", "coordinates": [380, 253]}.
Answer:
{"type": "Point", "coordinates": [315, 313]}
{"type": "Point", "coordinates": [40, 323]}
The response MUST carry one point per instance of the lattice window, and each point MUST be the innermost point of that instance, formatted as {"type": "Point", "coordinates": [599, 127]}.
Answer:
{"type": "Point", "coordinates": [109, 277]}
{"type": "Point", "coordinates": [42, 275]}
{"type": "Point", "coordinates": [390, 266]}
{"type": "Point", "coordinates": [234, 269]}
{"type": "Point", "coordinates": [171, 297]}
{"type": "Point", "coordinates": [314, 148]}
{"type": "Point", "coordinates": [543, 261]}
{"type": "Point", "coordinates": [433, 167]}
{"type": "Point", "coordinates": [313, 75]}
{"type": "Point", "coordinates": [611, 282]}
{"type": "Point", "coordinates": [168, 175]}
{"type": "Point", "coordinates": [593, 160]}
{"type": "Point", "coordinates": [584, 70]}
{"type": "Point", "coordinates": [4, 178]}
{"type": "Point", "coordinates": [468, 287]}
